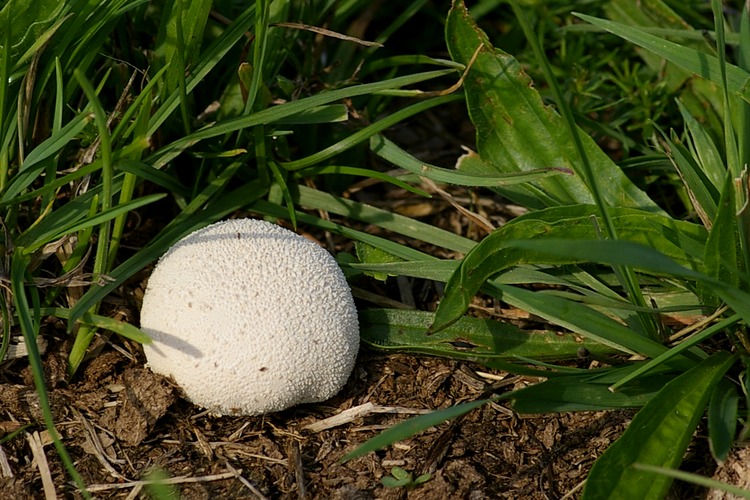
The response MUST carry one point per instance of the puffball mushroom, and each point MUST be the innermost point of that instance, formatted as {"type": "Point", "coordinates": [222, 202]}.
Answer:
{"type": "Point", "coordinates": [250, 318]}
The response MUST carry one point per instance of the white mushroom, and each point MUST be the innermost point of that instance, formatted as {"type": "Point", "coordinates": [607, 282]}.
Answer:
{"type": "Point", "coordinates": [250, 318]}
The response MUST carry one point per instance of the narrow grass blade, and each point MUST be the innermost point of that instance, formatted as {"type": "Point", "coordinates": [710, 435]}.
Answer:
{"type": "Point", "coordinates": [581, 319]}
{"type": "Point", "coordinates": [694, 479]}
{"type": "Point", "coordinates": [49, 230]}
{"type": "Point", "coordinates": [694, 61]}
{"type": "Point", "coordinates": [362, 172]}
{"type": "Point", "coordinates": [271, 115]}
{"type": "Point", "coordinates": [658, 361]}
{"type": "Point", "coordinates": [407, 226]}
{"type": "Point", "coordinates": [30, 331]}
{"type": "Point", "coordinates": [658, 435]}
{"type": "Point", "coordinates": [721, 259]}
{"type": "Point", "coordinates": [367, 132]}
{"type": "Point", "coordinates": [579, 393]}
{"type": "Point", "coordinates": [722, 419]}
{"type": "Point", "coordinates": [101, 322]}
{"type": "Point", "coordinates": [411, 427]}
{"type": "Point", "coordinates": [639, 256]}
{"type": "Point", "coordinates": [387, 150]}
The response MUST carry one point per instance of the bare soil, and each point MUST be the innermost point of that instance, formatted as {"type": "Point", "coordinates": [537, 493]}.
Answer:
{"type": "Point", "coordinates": [120, 421]}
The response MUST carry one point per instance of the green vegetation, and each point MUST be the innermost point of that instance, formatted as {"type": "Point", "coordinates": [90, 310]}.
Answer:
{"type": "Point", "coordinates": [631, 164]}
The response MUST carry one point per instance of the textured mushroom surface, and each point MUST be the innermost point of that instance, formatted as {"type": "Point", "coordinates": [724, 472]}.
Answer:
{"type": "Point", "coordinates": [250, 318]}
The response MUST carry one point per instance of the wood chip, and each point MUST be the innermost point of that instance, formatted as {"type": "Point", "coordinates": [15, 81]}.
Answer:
{"type": "Point", "coordinates": [5, 470]}
{"type": "Point", "coordinates": [170, 480]}
{"type": "Point", "coordinates": [361, 411]}
{"type": "Point", "coordinates": [37, 450]}
{"type": "Point", "coordinates": [17, 348]}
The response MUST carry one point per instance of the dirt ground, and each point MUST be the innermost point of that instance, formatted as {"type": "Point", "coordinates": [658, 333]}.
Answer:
{"type": "Point", "coordinates": [120, 421]}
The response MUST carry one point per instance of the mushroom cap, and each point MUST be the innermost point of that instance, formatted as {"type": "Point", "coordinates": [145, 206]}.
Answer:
{"type": "Point", "coordinates": [250, 318]}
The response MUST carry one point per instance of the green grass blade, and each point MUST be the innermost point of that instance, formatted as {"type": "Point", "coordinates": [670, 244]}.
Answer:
{"type": "Point", "coordinates": [703, 194]}
{"type": "Point", "coordinates": [411, 427]}
{"type": "Point", "coordinates": [694, 479]}
{"type": "Point", "coordinates": [179, 38]}
{"type": "Point", "coordinates": [658, 435]}
{"type": "Point", "coordinates": [362, 172]}
{"type": "Point", "coordinates": [591, 177]}
{"type": "Point", "coordinates": [148, 173]}
{"type": "Point", "coordinates": [102, 323]}
{"type": "Point", "coordinates": [694, 61]}
{"type": "Point", "coordinates": [273, 114]}
{"type": "Point", "coordinates": [30, 332]}
{"type": "Point", "coordinates": [580, 393]}
{"type": "Point", "coordinates": [329, 113]}
{"type": "Point", "coordinates": [387, 245]}
{"type": "Point", "coordinates": [638, 256]}
{"type": "Point", "coordinates": [50, 147]}
{"type": "Point", "coordinates": [107, 173]}
{"type": "Point", "coordinates": [387, 150]}
{"type": "Point", "coordinates": [400, 224]}
{"type": "Point", "coordinates": [367, 132]}
{"type": "Point", "coordinates": [722, 419]}
{"type": "Point", "coordinates": [207, 61]}
{"type": "Point", "coordinates": [50, 231]}
{"type": "Point", "coordinates": [654, 363]}
{"type": "Point", "coordinates": [722, 247]}
{"type": "Point", "coordinates": [581, 319]}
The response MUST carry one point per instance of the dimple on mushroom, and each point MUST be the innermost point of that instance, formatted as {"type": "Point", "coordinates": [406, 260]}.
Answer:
{"type": "Point", "coordinates": [250, 318]}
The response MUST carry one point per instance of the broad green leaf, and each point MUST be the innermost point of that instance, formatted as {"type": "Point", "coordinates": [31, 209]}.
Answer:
{"type": "Point", "coordinates": [658, 435]}
{"type": "Point", "coordinates": [30, 18]}
{"type": "Point", "coordinates": [494, 254]}
{"type": "Point", "coordinates": [517, 132]}
{"type": "Point", "coordinates": [722, 419]}
{"type": "Point", "coordinates": [483, 341]}
{"type": "Point", "coordinates": [369, 254]}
